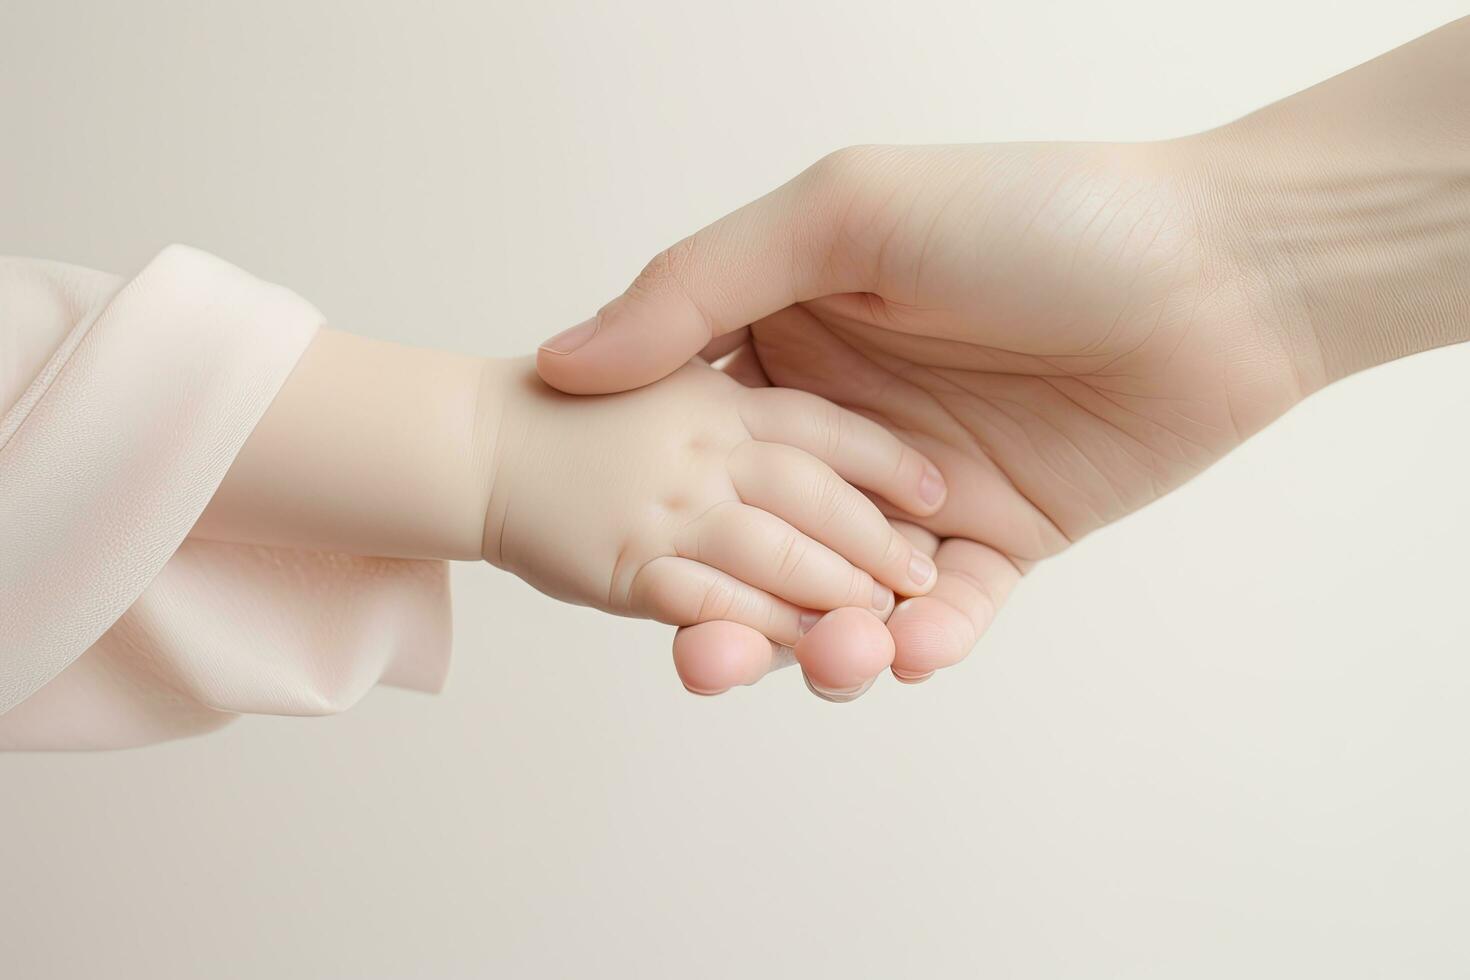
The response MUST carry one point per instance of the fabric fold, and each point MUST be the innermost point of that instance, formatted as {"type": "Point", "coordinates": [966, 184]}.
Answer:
{"type": "Point", "coordinates": [115, 630]}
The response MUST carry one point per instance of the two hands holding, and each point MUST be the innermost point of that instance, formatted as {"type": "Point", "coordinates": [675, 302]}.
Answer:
{"type": "Point", "coordinates": [1066, 331]}
{"type": "Point", "coordinates": [1042, 325]}
{"type": "Point", "coordinates": [938, 366]}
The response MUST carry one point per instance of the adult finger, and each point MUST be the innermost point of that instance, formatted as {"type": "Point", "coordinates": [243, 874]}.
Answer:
{"type": "Point", "coordinates": [939, 629]}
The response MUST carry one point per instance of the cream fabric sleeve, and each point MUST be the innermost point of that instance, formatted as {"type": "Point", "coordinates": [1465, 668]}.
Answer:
{"type": "Point", "coordinates": [124, 405]}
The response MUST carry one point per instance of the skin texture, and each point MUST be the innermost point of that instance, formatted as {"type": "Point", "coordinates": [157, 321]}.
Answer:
{"type": "Point", "coordinates": [697, 499]}
{"type": "Point", "coordinates": [691, 500]}
{"type": "Point", "coordinates": [1069, 331]}
{"type": "Point", "coordinates": [370, 448]}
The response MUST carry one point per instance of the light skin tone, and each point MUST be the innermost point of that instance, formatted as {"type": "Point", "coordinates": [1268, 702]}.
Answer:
{"type": "Point", "coordinates": [691, 500]}
{"type": "Point", "coordinates": [1069, 331]}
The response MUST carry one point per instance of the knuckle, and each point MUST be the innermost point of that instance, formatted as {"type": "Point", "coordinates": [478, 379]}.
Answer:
{"type": "Point", "coordinates": [830, 501]}
{"type": "Point", "coordinates": [896, 552]}
{"type": "Point", "coordinates": [779, 408]}
{"type": "Point", "coordinates": [777, 467]}
{"type": "Point", "coordinates": [750, 404]}
{"type": "Point", "coordinates": [905, 460]}
{"type": "Point", "coordinates": [775, 622]}
{"type": "Point", "coordinates": [829, 425]}
{"type": "Point", "coordinates": [717, 602]}
{"type": "Point", "coordinates": [688, 541]}
{"type": "Point", "coordinates": [838, 425]}
{"type": "Point", "coordinates": [982, 601]}
{"type": "Point", "coordinates": [666, 270]}
{"type": "Point", "coordinates": [844, 166]}
{"type": "Point", "coordinates": [789, 555]}
{"type": "Point", "coordinates": [744, 459]}
{"type": "Point", "coordinates": [658, 594]}
{"type": "Point", "coordinates": [848, 188]}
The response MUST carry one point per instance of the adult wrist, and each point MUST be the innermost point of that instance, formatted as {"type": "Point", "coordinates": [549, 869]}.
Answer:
{"type": "Point", "coordinates": [1344, 211]}
{"type": "Point", "coordinates": [1358, 259]}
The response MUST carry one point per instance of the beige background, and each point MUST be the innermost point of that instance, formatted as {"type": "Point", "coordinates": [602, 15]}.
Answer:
{"type": "Point", "coordinates": [1227, 738]}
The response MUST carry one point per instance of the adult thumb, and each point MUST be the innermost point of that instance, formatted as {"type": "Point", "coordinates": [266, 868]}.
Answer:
{"type": "Point", "coordinates": [783, 248]}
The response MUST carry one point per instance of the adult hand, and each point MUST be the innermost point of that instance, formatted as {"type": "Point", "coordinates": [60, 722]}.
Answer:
{"type": "Point", "coordinates": [1068, 330]}
{"type": "Point", "coordinates": [1041, 320]}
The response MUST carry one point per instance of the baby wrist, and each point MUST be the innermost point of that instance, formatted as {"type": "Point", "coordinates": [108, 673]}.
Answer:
{"type": "Point", "coordinates": [500, 379]}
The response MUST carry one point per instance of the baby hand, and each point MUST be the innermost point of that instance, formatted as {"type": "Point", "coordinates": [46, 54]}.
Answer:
{"type": "Point", "coordinates": [696, 499]}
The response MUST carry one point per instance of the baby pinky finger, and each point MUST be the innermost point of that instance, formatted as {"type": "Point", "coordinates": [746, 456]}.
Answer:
{"type": "Point", "coordinates": [683, 592]}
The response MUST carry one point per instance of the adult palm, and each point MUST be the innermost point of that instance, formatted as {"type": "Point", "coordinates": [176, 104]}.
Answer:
{"type": "Point", "coordinates": [1057, 326]}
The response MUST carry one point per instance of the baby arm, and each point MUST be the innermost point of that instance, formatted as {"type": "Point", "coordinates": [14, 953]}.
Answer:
{"type": "Point", "coordinates": [370, 448]}
{"type": "Point", "coordinates": [691, 500]}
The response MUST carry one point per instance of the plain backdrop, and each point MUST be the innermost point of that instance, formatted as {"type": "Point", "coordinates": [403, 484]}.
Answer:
{"type": "Point", "coordinates": [1227, 737]}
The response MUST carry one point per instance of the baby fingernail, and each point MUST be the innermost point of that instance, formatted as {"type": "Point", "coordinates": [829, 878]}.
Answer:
{"type": "Point", "coordinates": [931, 486]}
{"type": "Point", "coordinates": [808, 620]}
{"type": "Point", "coordinates": [908, 678]}
{"type": "Point", "coordinates": [881, 597]}
{"type": "Point", "coordinates": [571, 338]}
{"type": "Point", "coordinates": [921, 569]}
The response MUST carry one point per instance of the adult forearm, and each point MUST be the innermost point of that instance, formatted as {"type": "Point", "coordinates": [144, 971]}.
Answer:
{"type": "Point", "coordinates": [1346, 208]}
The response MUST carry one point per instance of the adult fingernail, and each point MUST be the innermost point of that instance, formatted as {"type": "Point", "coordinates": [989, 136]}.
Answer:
{"type": "Point", "coordinates": [921, 569]}
{"type": "Point", "coordinates": [808, 620]}
{"type": "Point", "coordinates": [931, 486]}
{"type": "Point", "coordinates": [571, 338]}
{"type": "Point", "coordinates": [882, 596]}
{"type": "Point", "coordinates": [836, 696]}
{"type": "Point", "coordinates": [907, 678]}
